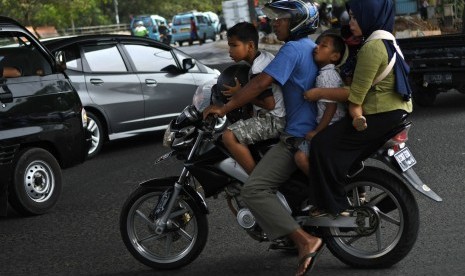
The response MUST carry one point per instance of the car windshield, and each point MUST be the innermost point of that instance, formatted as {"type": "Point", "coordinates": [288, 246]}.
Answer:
{"type": "Point", "coordinates": [13, 40]}
{"type": "Point", "coordinates": [147, 21]}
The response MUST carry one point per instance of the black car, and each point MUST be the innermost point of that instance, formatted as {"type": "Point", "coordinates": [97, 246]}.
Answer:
{"type": "Point", "coordinates": [129, 84]}
{"type": "Point", "coordinates": [42, 123]}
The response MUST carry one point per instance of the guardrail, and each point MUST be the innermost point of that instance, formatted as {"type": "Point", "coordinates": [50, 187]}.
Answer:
{"type": "Point", "coordinates": [103, 29]}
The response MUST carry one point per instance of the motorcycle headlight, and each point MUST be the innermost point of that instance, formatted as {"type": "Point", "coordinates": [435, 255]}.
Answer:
{"type": "Point", "coordinates": [168, 137]}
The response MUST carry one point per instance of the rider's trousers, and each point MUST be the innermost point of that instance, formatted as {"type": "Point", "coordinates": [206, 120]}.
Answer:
{"type": "Point", "coordinates": [259, 192]}
{"type": "Point", "coordinates": [335, 149]}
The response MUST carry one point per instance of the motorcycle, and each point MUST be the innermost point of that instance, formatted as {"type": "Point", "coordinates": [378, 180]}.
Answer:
{"type": "Point", "coordinates": [164, 225]}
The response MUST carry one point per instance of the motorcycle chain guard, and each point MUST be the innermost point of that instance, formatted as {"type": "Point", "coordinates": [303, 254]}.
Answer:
{"type": "Point", "coordinates": [365, 220]}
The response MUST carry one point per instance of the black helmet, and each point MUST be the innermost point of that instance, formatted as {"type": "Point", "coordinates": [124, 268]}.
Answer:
{"type": "Point", "coordinates": [303, 16]}
{"type": "Point", "coordinates": [241, 72]}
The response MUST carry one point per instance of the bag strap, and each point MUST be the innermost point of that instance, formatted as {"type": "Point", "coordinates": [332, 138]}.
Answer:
{"type": "Point", "coordinates": [381, 34]}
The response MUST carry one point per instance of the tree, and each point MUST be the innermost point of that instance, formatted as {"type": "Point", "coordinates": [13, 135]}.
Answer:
{"type": "Point", "coordinates": [65, 14]}
{"type": "Point", "coordinates": [21, 9]}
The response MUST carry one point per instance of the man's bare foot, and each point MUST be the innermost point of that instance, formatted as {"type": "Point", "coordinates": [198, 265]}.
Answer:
{"type": "Point", "coordinates": [307, 258]}
{"type": "Point", "coordinates": [309, 248]}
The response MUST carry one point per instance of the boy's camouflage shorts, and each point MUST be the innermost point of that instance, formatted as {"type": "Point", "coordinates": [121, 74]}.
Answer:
{"type": "Point", "coordinates": [260, 128]}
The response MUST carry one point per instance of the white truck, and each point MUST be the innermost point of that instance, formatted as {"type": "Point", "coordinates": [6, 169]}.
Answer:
{"type": "Point", "coordinates": [235, 11]}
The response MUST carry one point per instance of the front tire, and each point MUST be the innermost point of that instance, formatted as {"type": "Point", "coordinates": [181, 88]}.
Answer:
{"type": "Point", "coordinates": [97, 134]}
{"type": "Point", "coordinates": [37, 182]}
{"type": "Point", "coordinates": [397, 231]}
{"type": "Point", "coordinates": [180, 244]}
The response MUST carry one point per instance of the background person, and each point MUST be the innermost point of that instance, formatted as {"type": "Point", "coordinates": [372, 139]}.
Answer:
{"type": "Point", "coordinates": [165, 36]}
{"type": "Point", "coordinates": [194, 35]}
{"type": "Point", "coordinates": [140, 30]}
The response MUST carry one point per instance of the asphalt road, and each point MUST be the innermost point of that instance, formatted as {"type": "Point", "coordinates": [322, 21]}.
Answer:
{"type": "Point", "coordinates": [81, 235]}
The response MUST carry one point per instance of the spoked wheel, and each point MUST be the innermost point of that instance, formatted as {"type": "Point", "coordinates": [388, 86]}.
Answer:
{"type": "Point", "coordinates": [392, 214]}
{"type": "Point", "coordinates": [97, 132]}
{"type": "Point", "coordinates": [183, 240]}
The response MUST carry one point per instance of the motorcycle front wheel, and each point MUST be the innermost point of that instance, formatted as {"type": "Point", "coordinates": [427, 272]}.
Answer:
{"type": "Point", "coordinates": [394, 227]}
{"type": "Point", "coordinates": [183, 239]}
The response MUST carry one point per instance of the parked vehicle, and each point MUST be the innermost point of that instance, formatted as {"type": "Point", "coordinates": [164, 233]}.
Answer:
{"type": "Point", "coordinates": [151, 23]}
{"type": "Point", "coordinates": [164, 225]}
{"type": "Point", "coordinates": [437, 65]}
{"type": "Point", "coordinates": [128, 84]}
{"type": "Point", "coordinates": [181, 27]}
{"type": "Point", "coordinates": [235, 11]}
{"type": "Point", "coordinates": [215, 20]}
{"type": "Point", "coordinates": [42, 123]}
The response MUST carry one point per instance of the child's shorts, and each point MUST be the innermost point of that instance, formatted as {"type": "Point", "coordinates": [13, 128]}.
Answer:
{"type": "Point", "coordinates": [305, 147]}
{"type": "Point", "coordinates": [262, 127]}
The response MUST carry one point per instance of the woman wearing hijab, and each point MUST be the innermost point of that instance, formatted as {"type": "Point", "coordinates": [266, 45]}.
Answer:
{"type": "Point", "coordinates": [379, 100]}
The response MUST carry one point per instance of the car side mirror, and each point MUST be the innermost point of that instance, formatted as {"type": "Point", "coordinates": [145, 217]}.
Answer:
{"type": "Point", "coordinates": [171, 69]}
{"type": "Point", "coordinates": [187, 64]}
{"type": "Point", "coordinates": [60, 61]}
{"type": "Point", "coordinates": [155, 29]}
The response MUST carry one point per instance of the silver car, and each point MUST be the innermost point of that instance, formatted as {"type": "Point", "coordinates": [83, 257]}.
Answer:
{"type": "Point", "coordinates": [128, 84]}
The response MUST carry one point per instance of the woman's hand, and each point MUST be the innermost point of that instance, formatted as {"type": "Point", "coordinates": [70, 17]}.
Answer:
{"type": "Point", "coordinates": [231, 90]}
{"type": "Point", "coordinates": [360, 123]}
{"type": "Point", "coordinates": [213, 110]}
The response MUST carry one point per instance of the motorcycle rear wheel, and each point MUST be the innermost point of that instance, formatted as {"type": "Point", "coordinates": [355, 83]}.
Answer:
{"type": "Point", "coordinates": [180, 244]}
{"type": "Point", "coordinates": [398, 226]}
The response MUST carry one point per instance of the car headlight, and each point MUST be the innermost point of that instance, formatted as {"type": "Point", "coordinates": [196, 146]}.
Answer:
{"type": "Point", "coordinates": [84, 118]}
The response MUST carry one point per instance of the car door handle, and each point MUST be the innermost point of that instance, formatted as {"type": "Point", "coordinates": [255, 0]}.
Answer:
{"type": "Point", "coordinates": [97, 82]}
{"type": "Point", "coordinates": [151, 82]}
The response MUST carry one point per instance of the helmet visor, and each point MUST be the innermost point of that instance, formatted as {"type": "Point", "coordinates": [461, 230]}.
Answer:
{"type": "Point", "coordinates": [275, 13]}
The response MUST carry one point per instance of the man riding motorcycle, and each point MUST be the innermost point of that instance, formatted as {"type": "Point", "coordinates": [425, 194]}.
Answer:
{"type": "Point", "coordinates": [293, 68]}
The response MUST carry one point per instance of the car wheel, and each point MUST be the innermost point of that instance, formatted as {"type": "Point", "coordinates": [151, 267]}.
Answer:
{"type": "Point", "coordinates": [204, 38]}
{"type": "Point", "coordinates": [37, 182]}
{"type": "Point", "coordinates": [97, 134]}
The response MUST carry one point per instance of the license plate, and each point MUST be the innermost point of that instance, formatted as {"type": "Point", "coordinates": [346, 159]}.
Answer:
{"type": "Point", "coordinates": [164, 156]}
{"type": "Point", "coordinates": [185, 30]}
{"type": "Point", "coordinates": [405, 159]}
{"type": "Point", "coordinates": [437, 78]}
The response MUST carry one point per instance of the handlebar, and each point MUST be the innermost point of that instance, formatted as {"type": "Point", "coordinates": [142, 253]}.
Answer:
{"type": "Point", "coordinates": [209, 123]}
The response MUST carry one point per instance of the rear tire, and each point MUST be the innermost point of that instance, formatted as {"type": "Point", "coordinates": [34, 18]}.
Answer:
{"type": "Point", "coordinates": [37, 182]}
{"type": "Point", "coordinates": [398, 226]}
{"type": "Point", "coordinates": [178, 246]}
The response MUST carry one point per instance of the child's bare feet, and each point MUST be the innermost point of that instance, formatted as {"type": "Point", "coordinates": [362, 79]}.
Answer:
{"type": "Point", "coordinates": [360, 123]}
